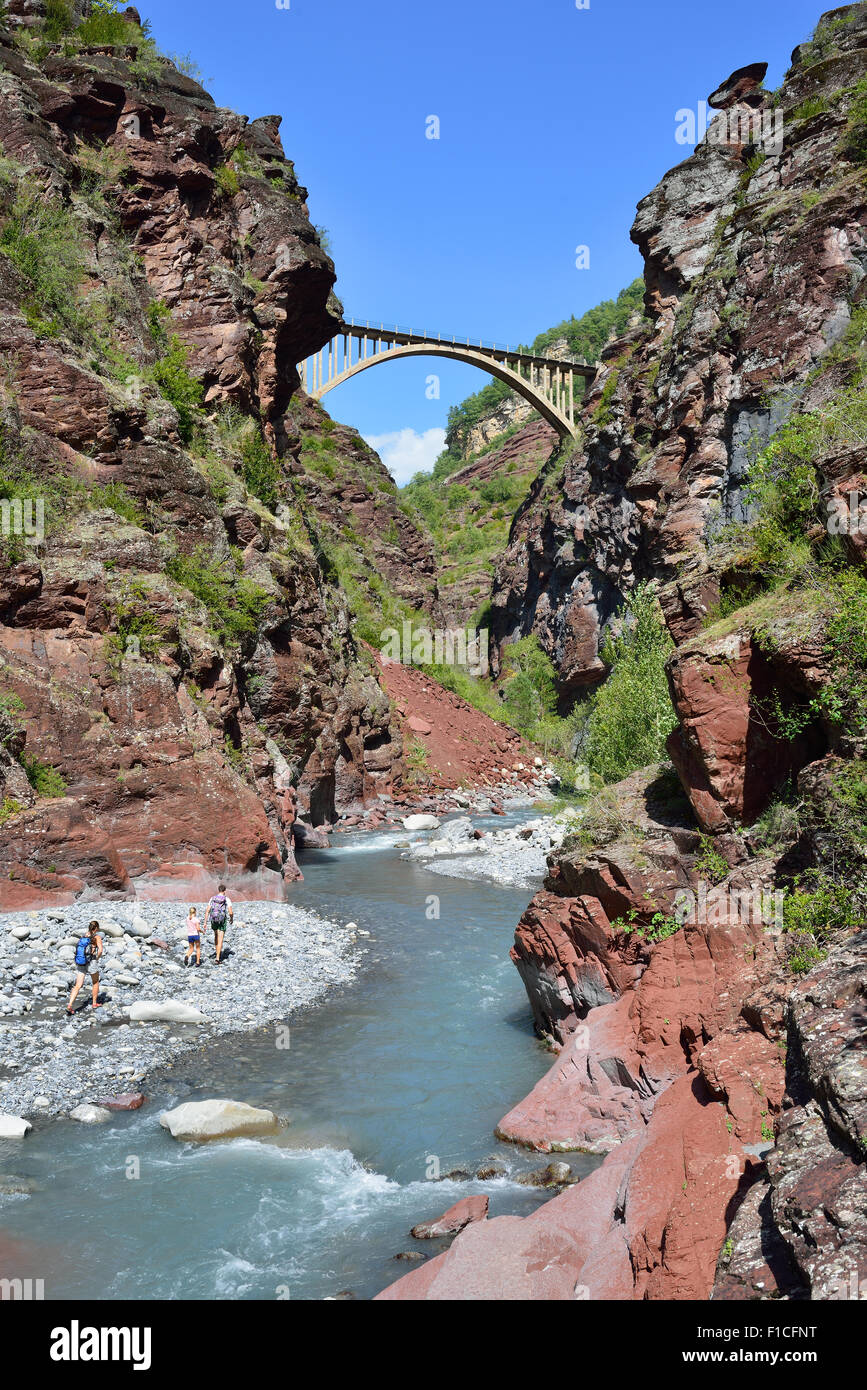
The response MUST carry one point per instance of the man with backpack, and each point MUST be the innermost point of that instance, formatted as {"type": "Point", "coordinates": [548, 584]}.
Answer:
{"type": "Point", "coordinates": [220, 912]}
{"type": "Point", "coordinates": [88, 950]}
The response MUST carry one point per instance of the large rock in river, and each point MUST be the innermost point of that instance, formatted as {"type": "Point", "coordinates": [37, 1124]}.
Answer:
{"type": "Point", "coordinates": [13, 1127]}
{"type": "Point", "coordinates": [217, 1119]}
{"type": "Point", "coordinates": [462, 1214]}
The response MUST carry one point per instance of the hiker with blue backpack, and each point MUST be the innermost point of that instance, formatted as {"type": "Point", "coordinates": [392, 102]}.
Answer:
{"type": "Point", "coordinates": [220, 912]}
{"type": "Point", "coordinates": [88, 950]}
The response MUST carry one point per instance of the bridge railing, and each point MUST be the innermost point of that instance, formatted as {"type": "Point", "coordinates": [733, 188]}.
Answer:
{"type": "Point", "coordinates": [458, 339]}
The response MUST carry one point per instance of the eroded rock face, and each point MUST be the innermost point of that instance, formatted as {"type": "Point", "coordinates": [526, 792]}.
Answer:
{"type": "Point", "coordinates": [807, 1213]}
{"type": "Point", "coordinates": [630, 1014]}
{"type": "Point", "coordinates": [749, 283]}
{"type": "Point", "coordinates": [457, 1218]}
{"type": "Point", "coordinates": [728, 688]}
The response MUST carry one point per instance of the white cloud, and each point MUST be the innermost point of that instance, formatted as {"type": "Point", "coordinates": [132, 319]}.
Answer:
{"type": "Point", "coordinates": [404, 452]}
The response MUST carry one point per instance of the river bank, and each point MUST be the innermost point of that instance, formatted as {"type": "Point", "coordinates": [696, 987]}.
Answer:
{"type": "Point", "coordinates": [279, 959]}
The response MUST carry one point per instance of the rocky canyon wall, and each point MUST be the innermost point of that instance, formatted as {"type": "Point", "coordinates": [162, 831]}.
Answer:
{"type": "Point", "coordinates": [178, 666]}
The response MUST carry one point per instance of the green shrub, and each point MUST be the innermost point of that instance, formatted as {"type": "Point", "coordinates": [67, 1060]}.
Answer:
{"type": "Point", "coordinates": [825, 40]}
{"type": "Point", "coordinates": [170, 373]}
{"type": "Point", "coordinates": [106, 26]}
{"type": "Point", "coordinates": [821, 907]}
{"type": "Point", "coordinates": [260, 469]}
{"type": "Point", "coordinates": [417, 762]}
{"type": "Point", "coordinates": [44, 779]}
{"type": "Point", "coordinates": [11, 705]}
{"type": "Point", "coordinates": [59, 19]}
{"type": "Point", "coordinates": [603, 822]}
{"type": "Point", "coordinates": [115, 498]}
{"type": "Point", "coordinates": [842, 701]}
{"type": "Point", "coordinates": [227, 180]}
{"type": "Point", "coordinates": [813, 106]}
{"type": "Point", "coordinates": [629, 718]}
{"type": "Point", "coordinates": [132, 619]}
{"type": "Point", "coordinates": [816, 911]}
{"type": "Point", "coordinates": [784, 487]}
{"type": "Point", "coordinates": [855, 136]}
{"type": "Point", "coordinates": [602, 413]}
{"type": "Point", "coordinates": [710, 863]}
{"type": "Point", "coordinates": [777, 827]}
{"type": "Point", "coordinates": [530, 691]}
{"type": "Point", "coordinates": [658, 927]}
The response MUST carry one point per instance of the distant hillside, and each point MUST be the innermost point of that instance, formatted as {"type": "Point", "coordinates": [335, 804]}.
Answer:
{"type": "Point", "coordinates": [495, 446]}
{"type": "Point", "coordinates": [579, 337]}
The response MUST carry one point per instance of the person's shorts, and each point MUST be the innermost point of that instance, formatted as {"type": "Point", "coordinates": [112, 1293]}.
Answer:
{"type": "Point", "coordinates": [194, 940]}
{"type": "Point", "coordinates": [92, 969]}
{"type": "Point", "coordinates": [218, 926]}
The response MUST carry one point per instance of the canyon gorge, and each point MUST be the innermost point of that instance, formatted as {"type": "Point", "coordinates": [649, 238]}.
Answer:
{"type": "Point", "coordinates": [190, 678]}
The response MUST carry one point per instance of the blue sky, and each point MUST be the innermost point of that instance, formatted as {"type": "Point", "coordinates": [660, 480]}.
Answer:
{"type": "Point", "coordinates": [554, 122]}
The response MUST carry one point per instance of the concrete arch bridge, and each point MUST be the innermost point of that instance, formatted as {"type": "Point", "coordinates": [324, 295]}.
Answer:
{"type": "Point", "coordinates": [547, 383]}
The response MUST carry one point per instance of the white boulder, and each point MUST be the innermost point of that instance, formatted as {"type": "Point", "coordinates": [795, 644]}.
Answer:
{"type": "Point", "coordinates": [420, 822]}
{"type": "Point", "coordinates": [13, 1127]}
{"type": "Point", "coordinates": [217, 1119]}
{"type": "Point", "coordinates": [139, 927]}
{"type": "Point", "coordinates": [90, 1114]}
{"type": "Point", "coordinates": [169, 1011]}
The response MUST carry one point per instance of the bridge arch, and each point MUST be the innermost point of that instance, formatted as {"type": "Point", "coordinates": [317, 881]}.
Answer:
{"type": "Point", "coordinates": [546, 383]}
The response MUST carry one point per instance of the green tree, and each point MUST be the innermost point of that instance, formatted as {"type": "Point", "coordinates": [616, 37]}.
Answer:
{"type": "Point", "coordinates": [631, 715]}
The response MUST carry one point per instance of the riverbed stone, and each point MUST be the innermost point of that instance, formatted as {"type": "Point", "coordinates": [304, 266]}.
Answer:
{"type": "Point", "coordinates": [462, 1214]}
{"type": "Point", "coordinates": [90, 1114]}
{"type": "Point", "coordinates": [164, 1011]}
{"type": "Point", "coordinates": [127, 1100]}
{"type": "Point", "coordinates": [139, 927]}
{"type": "Point", "coordinates": [420, 822]}
{"type": "Point", "coordinates": [202, 1120]}
{"type": "Point", "coordinates": [14, 1127]}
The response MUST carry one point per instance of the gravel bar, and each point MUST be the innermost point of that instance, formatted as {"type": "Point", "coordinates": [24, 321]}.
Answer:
{"type": "Point", "coordinates": [278, 959]}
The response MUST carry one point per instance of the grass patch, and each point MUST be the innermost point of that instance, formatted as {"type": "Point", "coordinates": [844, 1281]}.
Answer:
{"type": "Point", "coordinates": [815, 912]}
{"type": "Point", "coordinates": [44, 242]}
{"type": "Point", "coordinates": [170, 374]}
{"type": "Point", "coordinates": [9, 808]}
{"type": "Point", "coordinates": [228, 183]}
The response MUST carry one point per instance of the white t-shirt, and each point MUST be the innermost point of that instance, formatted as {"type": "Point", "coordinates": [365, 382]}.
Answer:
{"type": "Point", "coordinates": [229, 910]}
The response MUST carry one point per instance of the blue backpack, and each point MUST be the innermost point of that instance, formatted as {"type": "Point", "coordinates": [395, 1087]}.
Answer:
{"type": "Point", "coordinates": [83, 951]}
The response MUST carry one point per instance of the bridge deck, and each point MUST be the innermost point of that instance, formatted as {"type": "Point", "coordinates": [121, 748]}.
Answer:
{"type": "Point", "coordinates": [404, 337]}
